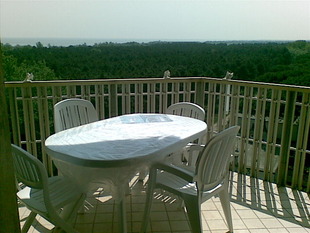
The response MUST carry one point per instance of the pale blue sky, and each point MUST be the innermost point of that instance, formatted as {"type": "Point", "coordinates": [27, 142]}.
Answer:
{"type": "Point", "coordinates": [180, 20]}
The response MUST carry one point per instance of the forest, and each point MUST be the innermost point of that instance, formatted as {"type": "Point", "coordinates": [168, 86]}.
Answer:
{"type": "Point", "coordinates": [271, 62]}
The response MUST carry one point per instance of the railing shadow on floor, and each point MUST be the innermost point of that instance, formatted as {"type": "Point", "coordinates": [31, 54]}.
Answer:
{"type": "Point", "coordinates": [269, 198]}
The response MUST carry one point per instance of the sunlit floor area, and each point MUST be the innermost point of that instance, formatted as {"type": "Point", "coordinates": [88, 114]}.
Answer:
{"type": "Point", "coordinates": [257, 207]}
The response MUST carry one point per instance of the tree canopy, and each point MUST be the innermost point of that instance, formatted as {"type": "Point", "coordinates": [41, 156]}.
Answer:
{"type": "Point", "coordinates": [286, 63]}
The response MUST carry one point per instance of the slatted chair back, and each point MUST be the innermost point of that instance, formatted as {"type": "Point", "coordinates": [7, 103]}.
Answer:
{"type": "Point", "coordinates": [28, 169]}
{"type": "Point", "coordinates": [45, 196]}
{"type": "Point", "coordinates": [213, 163]}
{"type": "Point", "coordinates": [187, 109]}
{"type": "Point", "coordinates": [71, 113]}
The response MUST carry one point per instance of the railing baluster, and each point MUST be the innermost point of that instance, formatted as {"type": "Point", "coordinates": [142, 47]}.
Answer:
{"type": "Point", "coordinates": [151, 98]}
{"type": "Point", "coordinates": [301, 145]}
{"type": "Point", "coordinates": [164, 98]}
{"type": "Point", "coordinates": [44, 125]}
{"type": "Point", "coordinates": [140, 97]}
{"type": "Point", "coordinates": [285, 142]}
{"type": "Point", "coordinates": [272, 133]}
{"type": "Point", "coordinates": [200, 97]}
{"type": "Point", "coordinates": [29, 120]}
{"type": "Point", "coordinates": [245, 129]}
{"type": "Point", "coordinates": [71, 92]}
{"type": "Point", "coordinates": [221, 108]}
{"type": "Point", "coordinates": [254, 106]}
{"type": "Point", "coordinates": [187, 91]}
{"type": "Point", "coordinates": [210, 109]}
{"type": "Point", "coordinates": [14, 116]}
{"type": "Point", "coordinates": [113, 100]}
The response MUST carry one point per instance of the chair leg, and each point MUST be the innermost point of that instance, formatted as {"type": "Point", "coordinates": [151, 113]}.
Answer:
{"type": "Point", "coordinates": [61, 224]}
{"type": "Point", "coordinates": [224, 198]}
{"type": "Point", "coordinates": [148, 202]}
{"type": "Point", "coordinates": [142, 175]}
{"type": "Point", "coordinates": [146, 214]}
{"type": "Point", "coordinates": [193, 211]}
{"type": "Point", "coordinates": [70, 212]}
{"type": "Point", "coordinates": [28, 222]}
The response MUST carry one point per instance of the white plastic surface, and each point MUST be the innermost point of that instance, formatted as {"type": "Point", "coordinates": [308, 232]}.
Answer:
{"type": "Point", "coordinates": [70, 113]}
{"type": "Point", "coordinates": [209, 178]}
{"type": "Point", "coordinates": [111, 151]}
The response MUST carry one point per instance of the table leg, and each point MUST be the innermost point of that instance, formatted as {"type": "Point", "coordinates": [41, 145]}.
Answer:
{"type": "Point", "coordinates": [122, 216]}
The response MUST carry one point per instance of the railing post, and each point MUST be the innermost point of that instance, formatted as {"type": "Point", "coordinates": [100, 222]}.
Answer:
{"type": "Point", "coordinates": [287, 132]}
{"type": "Point", "coordinates": [113, 100]}
{"type": "Point", "coordinates": [164, 98]}
{"type": "Point", "coordinates": [9, 218]}
{"type": "Point", "coordinates": [200, 91]}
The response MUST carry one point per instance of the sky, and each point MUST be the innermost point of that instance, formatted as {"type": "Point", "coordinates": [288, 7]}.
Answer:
{"type": "Point", "coordinates": [166, 20]}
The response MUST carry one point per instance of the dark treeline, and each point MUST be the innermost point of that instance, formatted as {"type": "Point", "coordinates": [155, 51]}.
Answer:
{"type": "Point", "coordinates": [287, 63]}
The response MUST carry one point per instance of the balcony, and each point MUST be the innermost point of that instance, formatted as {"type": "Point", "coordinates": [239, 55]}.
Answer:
{"type": "Point", "coordinates": [270, 172]}
{"type": "Point", "coordinates": [257, 206]}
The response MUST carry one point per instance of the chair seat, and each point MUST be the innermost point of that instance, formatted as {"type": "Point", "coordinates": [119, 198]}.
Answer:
{"type": "Point", "coordinates": [176, 184]}
{"type": "Point", "coordinates": [196, 185]}
{"type": "Point", "coordinates": [60, 191]}
{"type": "Point", "coordinates": [43, 195]}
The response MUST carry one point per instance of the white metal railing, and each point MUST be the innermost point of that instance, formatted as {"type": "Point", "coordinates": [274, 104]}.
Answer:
{"type": "Point", "coordinates": [273, 142]}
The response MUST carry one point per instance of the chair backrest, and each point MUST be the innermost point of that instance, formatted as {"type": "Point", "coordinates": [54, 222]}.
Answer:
{"type": "Point", "coordinates": [70, 113]}
{"type": "Point", "coordinates": [31, 172]}
{"type": "Point", "coordinates": [213, 163]}
{"type": "Point", "coordinates": [187, 109]}
{"type": "Point", "coordinates": [28, 169]}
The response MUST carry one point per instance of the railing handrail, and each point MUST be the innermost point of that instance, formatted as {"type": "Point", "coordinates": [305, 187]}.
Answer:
{"type": "Point", "coordinates": [274, 118]}
{"type": "Point", "coordinates": [151, 80]}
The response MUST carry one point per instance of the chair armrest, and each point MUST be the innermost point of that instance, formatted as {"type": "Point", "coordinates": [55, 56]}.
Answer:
{"type": "Point", "coordinates": [191, 150]}
{"type": "Point", "coordinates": [194, 147]}
{"type": "Point", "coordinates": [182, 172]}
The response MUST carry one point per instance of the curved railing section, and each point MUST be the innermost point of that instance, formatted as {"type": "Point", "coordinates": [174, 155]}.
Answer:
{"type": "Point", "coordinates": [273, 143]}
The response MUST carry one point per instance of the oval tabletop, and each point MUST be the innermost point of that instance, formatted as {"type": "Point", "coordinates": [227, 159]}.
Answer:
{"type": "Point", "coordinates": [124, 140]}
{"type": "Point", "coordinates": [108, 153]}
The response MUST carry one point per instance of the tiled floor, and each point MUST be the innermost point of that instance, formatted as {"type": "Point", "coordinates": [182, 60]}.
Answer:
{"type": "Point", "coordinates": [257, 207]}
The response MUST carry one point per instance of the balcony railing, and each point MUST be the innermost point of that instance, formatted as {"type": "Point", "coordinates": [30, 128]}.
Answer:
{"type": "Point", "coordinates": [273, 143]}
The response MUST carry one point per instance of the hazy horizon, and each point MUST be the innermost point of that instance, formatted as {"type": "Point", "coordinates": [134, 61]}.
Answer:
{"type": "Point", "coordinates": [92, 41]}
{"type": "Point", "coordinates": [164, 20]}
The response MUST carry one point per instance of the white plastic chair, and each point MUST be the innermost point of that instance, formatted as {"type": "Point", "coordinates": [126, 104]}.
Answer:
{"type": "Point", "coordinates": [189, 110]}
{"type": "Point", "coordinates": [70, 113]}
{"type": "Point", "coordinates": [45, 196]}
{"type": "Point", "coordinates": [209, 178]}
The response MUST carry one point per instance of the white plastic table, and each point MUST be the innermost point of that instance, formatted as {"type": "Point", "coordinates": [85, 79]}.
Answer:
{"type": "Point", "coordinates": [109, 152]}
